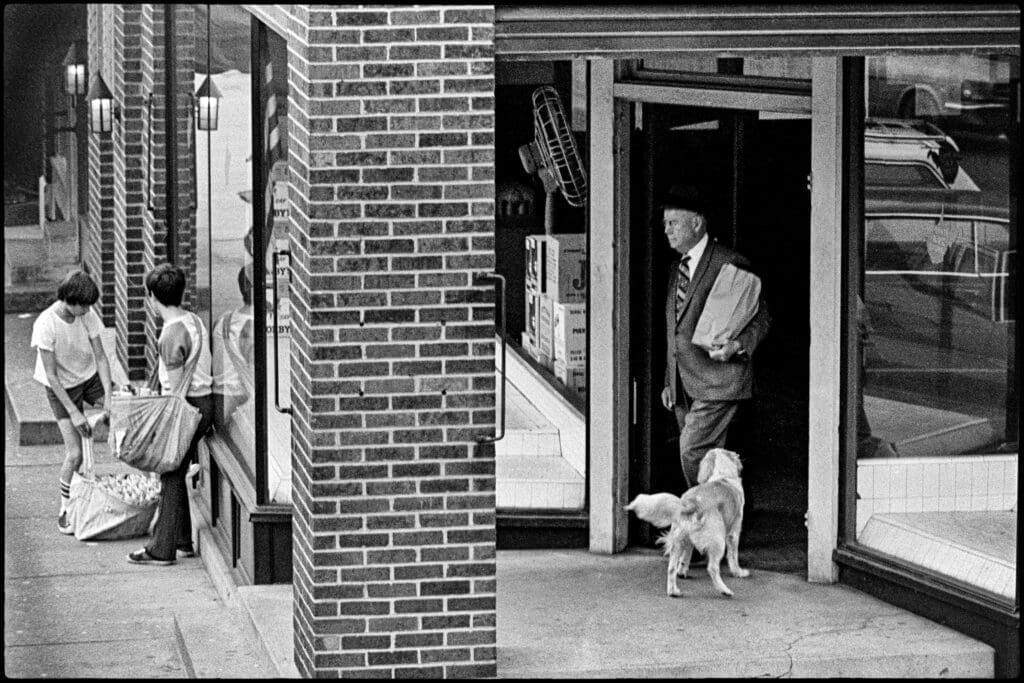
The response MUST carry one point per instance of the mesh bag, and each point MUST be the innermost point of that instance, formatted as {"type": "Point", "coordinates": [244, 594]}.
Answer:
{"type": "Point", "coordinates": [101, 508]}
{"type": "Point", "coordinates": [153, 433]}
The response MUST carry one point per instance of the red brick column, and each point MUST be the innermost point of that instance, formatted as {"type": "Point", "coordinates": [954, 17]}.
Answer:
{"type": "Point", "coordinates": [392, 157]}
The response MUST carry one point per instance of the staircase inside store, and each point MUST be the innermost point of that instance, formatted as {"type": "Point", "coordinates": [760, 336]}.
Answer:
{"type": "Point", "coordinates": [530, 468]}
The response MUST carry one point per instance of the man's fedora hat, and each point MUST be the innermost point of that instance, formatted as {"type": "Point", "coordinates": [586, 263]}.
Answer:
{"type": "Point", "coordinates": [687, 197]}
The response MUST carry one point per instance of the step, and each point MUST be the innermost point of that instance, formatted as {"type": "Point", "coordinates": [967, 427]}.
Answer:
{"type": "Point", "coordinates": [537, 482]}
{"type": "Point", "coordinates": [976, 547]}
{"type": "Point", "coordinates": [211, 645]}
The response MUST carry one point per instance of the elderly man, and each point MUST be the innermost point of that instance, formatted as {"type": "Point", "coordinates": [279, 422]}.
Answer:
{"type": "Point", "coordinates": [703, 388]}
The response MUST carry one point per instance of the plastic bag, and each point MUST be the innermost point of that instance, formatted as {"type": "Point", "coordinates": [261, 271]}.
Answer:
{"type": "Point", "coordinates": [731, 304]}
{"type": "Point", "coordinates": [97, 513]}
{"type": "Point", "coordinates": [152, 433]}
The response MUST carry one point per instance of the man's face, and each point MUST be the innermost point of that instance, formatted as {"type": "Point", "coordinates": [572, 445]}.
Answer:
{"type": "Point", "coordinates": [683, 229]}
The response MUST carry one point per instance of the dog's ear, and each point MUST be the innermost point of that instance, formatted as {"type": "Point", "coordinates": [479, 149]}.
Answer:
{"type": "Point", "coordinates": [707, 466]}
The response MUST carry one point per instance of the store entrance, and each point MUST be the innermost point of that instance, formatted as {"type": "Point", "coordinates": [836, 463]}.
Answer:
{"type": "Point", "coordinates": [755, 166]}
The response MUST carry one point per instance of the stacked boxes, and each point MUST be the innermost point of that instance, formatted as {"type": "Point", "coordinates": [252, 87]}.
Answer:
{"type": "Point", "coordinates": [556, 313]}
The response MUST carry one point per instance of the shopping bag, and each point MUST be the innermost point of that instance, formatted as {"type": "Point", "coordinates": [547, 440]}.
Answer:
{"type": "Point", "coordinates": [731, 304]}
{"type": "Point", "coordinates": [111, 506]}
{"type": "Point", "coordinates": [152, 433]}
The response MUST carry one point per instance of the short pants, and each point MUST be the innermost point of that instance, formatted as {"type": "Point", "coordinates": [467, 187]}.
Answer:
{"type": "Point", "coordinates": [90, 390]}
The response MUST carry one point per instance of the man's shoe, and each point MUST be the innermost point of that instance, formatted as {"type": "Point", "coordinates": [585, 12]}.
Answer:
{"type": "Point", "coordinates": [186, 550]}
{"type": "Point", "coordinates": [63, 525]}
{"type": "Point", "coordinates": [142, 556]}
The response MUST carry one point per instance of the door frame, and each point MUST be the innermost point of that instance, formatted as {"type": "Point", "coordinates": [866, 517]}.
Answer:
{"type": "Point", "coordinates": [610, 396]}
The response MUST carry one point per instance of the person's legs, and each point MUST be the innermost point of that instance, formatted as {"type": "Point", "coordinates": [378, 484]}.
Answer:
{"type": "Point", "coordinates": [173, 528]}
{"type": "Point", "coordinates": [705, 426]}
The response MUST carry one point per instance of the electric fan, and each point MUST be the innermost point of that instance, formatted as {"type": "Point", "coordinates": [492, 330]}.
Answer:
{"type": "Point", "coordinates": [553, 154]}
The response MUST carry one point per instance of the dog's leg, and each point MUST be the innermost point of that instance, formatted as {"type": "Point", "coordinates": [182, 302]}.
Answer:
{"type": "Point", "coordinates": [714, 553]}
{"type": "Point", "coordinates": [672, 584]}
{"type": "Point", "coordinates": [732, 554]}
{"type": "Point", "coordinates": [687, 552]}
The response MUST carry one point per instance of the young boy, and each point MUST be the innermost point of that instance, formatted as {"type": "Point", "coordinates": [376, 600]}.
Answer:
{"type": "Point", "coordinates": [183, 337]}
{"type": "Point", "coordinates": [72, 365]}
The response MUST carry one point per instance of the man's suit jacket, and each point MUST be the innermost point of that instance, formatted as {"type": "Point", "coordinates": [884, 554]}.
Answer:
{"type": "Point", "coordinates": [703, 378]}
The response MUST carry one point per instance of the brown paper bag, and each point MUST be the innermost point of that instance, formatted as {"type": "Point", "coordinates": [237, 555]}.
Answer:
{"type": "Point", "coordinates": [731, 304]}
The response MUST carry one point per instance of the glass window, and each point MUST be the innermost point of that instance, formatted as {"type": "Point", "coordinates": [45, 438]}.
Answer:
{"type": "Point", "coordinates": [779, 67]}
{"type": "Point", "coordinates": [224, 221]}
{"type": "Point", "coordinates": [937, 426]}
{"type": "Point", "coordinates": [540, 247]}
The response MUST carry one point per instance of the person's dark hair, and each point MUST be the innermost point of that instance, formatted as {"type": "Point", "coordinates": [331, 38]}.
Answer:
{"type": "Point", "coordinates": [167, 283]}
{"type": "Point", "coordinates": [245, 284]}
{"type": "Point", "coordinates": [78, 289]}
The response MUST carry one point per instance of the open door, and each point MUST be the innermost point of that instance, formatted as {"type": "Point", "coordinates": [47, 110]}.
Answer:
{"type": "Point", "coordinates": [758, 163]}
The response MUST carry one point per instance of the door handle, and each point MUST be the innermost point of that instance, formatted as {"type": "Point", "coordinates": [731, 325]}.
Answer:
{"type": "Point", "coordinates": [500, 279]}
{"type": "Point", "coordinates": [277, 388]}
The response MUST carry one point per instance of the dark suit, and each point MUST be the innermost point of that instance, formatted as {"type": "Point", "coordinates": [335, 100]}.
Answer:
{"type": "Point", "coordinates": [706, 392]}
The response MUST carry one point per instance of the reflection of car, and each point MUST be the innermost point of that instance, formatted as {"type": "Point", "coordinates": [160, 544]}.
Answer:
{"type": "Point", "coordinates": [965, 90]}
{"type": "Point", "coordinates": [899, 153]}
{"type": "Point", "coordinates": [938, 280]}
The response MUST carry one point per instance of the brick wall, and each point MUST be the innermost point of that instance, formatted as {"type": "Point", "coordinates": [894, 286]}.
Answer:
{"type": "Point", "coordinates": [391, 171]}
{"type": "Point", "coordinates": [98, 232]}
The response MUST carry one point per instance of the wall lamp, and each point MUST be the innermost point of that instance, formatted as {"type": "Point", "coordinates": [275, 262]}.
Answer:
{"type": "Point", "coordinates": [207, 105]}
{"type": "Point", "coordinates": [74, 70]}
{"type": "Point", "coordinates": [102, 110]}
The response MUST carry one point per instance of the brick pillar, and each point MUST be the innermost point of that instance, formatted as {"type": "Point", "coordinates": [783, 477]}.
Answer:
{"type": "Point", "coordinates": [147, 199]}
{"type": "Point", "coordinates": [393, 347]}
{"type": "Point", "coordinates": [98, 233]}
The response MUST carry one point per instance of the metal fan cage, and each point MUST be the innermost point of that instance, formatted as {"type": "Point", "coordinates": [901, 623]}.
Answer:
{"type": "Point", "coordinates": [558, 145]}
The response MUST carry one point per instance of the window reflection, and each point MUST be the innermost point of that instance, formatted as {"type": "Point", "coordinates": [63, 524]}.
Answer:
{"type": "Point", "coordinates": [937, 425]}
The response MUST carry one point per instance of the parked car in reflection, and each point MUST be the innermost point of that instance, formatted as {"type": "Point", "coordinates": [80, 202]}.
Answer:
{"type": "Point", "coordinates": [912, 153]}
{"type": "Point", "coordinates": [939, 282]}
{"type": "Point", "coordinates": [959, 91]}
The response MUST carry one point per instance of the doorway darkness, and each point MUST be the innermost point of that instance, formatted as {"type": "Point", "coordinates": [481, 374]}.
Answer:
{"type": "Point", "coordinates": [755, 170]}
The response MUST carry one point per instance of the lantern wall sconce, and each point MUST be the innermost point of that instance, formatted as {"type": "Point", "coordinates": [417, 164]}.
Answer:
{"type": "Point", "coordinates": [74, 73]}
{"type": "Point", "coordinates": [207, 105]}
{"type": "Point", "coordinates": [102, 109]}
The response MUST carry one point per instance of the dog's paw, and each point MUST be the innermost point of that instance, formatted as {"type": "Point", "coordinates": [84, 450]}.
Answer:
{"type": "Point", "coordinates": [726, 592]}
{"type": "Point", "coordinates": [675, 593]}
{"type": "Point", "coordinates": [741, 573]}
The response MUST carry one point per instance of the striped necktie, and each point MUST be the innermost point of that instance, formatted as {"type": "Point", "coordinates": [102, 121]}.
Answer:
{"type": "Point", "coordinates": [684, 280]}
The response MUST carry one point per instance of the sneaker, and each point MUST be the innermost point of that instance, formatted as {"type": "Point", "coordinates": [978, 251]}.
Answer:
{"type": "Point", "coordinates": [142, 556]}
{"type": "Point", "coordinates": [186, 550]}
{"type": "Point", "coordinates": [63, 525]}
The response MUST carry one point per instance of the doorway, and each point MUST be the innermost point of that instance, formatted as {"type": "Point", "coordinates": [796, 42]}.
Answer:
{"type": "Point", "coordinates": [754, 165]}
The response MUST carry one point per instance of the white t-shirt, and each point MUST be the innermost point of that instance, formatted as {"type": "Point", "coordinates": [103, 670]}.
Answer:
{"type": "Point", "coordinates": [226, 379]}
{"type": "Point", "coordinates": [175, 346]}
{"type": "Point", "coordinates": [71, 345]}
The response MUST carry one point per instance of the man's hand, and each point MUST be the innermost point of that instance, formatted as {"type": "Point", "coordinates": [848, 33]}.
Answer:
{"type": "Point", "coordinates": [726, 351]}
{"type": "Point", "coordinates": [81, 424]}
{"type": "Point", "coordinates": [666, 398]}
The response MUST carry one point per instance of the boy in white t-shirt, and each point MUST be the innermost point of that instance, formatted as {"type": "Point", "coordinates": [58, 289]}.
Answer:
{"type": "Point", "coordinates": [182, 338]}
{"type": "Point", "coordinates": [72, 365]}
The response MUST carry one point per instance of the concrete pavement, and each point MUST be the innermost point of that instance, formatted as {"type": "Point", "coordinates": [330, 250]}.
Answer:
{"type": "Point", "coordinates": [80, 609]}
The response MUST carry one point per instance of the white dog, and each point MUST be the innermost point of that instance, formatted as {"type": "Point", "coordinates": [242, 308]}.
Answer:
{"type": "Point", "coordinates": [707, 517]}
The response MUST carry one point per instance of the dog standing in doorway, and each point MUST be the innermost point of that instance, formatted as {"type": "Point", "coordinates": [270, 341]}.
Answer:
{"type": "Point", "coordinates": [707, 517]}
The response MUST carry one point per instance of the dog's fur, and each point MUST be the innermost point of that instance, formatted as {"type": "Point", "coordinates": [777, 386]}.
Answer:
{"type": "Point", "coordinates": [707, 517]}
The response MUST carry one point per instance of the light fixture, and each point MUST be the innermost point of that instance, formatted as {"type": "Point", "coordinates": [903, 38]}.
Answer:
{"type": "Point", "coordinates": [207, 104]}
{"type": "Point", "coordinates": [74, 70]}
{"type": "Point", "coordinates": [102, 110]}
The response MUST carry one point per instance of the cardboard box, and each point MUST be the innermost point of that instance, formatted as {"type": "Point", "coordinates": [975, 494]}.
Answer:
{"type": "Point", "coordinates": [570, 333]}
{"type": "Point", "coordinates": [566, 269]}
{"type": "Point", "coordinates": [532, 314]}
{"type": "Point", "coordinates": [545, 331]}
{"type": "Point", "coordinates": [536, 263]}
{"type": "Point", "coordinates": [574, 377]}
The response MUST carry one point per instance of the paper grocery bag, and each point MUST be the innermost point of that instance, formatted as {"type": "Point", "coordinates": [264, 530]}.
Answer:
{"type": "Point", "coordinates": [731, 304]}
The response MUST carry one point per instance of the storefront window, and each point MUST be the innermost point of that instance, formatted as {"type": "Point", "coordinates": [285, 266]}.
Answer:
{"type": "Point", "coordinates": [540, 247]}
{"type": "Point", "coordinates": [785, 67]}
{"type": "Point", "coordinates": [224, 222]}
{"type": "Point", "coordinates": [937, 428]}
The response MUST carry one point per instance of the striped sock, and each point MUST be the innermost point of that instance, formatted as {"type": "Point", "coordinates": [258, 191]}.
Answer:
{"type": "Point", "coordinates": [65, 495]}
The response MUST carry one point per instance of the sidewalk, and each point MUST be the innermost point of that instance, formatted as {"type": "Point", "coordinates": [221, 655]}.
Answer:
{"type": "Point", "coordinates": [80, 609]}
